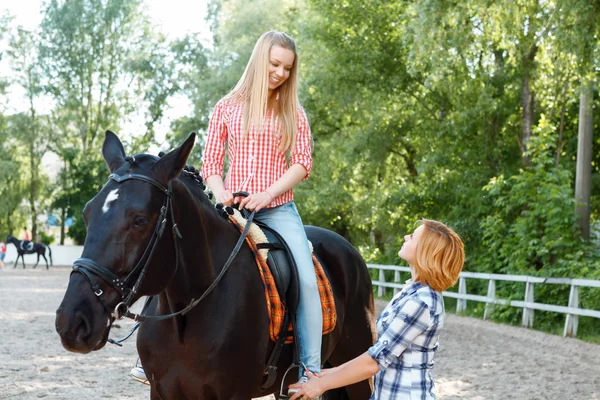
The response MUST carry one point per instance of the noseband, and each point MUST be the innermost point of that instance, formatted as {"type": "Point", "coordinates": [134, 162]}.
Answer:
{"type": "Point", "coordinates": [92, 270]}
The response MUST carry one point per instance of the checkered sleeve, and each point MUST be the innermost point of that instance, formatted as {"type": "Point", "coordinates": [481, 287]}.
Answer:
{"type": "Point", "coordinates": [303, 149]}
{"type": "Point", "coordinates": [400, 330]}
{"type": "Point", "coordinates": [213, 157]}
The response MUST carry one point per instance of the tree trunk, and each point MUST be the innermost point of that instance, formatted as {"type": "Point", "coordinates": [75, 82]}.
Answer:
{"type": "Point", "coordinates": [583, 179]}
{"type": "Point", "coordinates": [32, 193]}
{"type": "Point", "coordinates": [63, 217]}
{"type": "Point", "coordinates": [527, 104]}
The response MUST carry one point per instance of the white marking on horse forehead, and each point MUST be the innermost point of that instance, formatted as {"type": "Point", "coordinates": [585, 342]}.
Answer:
{"type": "Point", "coordinates": [112, 196]}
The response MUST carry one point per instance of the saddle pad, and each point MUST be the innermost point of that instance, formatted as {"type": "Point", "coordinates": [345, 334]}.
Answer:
{"type": "Point", "coordinates": [275, 307]}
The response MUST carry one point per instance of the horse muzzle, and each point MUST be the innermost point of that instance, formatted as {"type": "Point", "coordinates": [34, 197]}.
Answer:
{"type": "Point", "coordinates": [82, 324]}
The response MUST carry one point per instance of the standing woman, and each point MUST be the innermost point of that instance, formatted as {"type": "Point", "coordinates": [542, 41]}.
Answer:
{"type": "Point", "coordinates": [2, 253]}
{"type": "Point", "coordinates": [268, 141]}
{"type": "Point", "coordinates": [408, 328]}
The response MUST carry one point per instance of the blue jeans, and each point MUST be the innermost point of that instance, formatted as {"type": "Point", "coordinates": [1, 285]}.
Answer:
{"type": "Point", "coordinates": [286, 221]}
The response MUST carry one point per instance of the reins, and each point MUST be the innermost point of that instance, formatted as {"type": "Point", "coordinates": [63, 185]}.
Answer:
{"type": "Point", "coordinates": [194, 302]}
{"type": "Point", "coordinates": [90, 269]}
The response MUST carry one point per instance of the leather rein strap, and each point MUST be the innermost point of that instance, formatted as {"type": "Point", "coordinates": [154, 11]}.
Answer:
{"type": "Point", "coordinates": [92, 270]}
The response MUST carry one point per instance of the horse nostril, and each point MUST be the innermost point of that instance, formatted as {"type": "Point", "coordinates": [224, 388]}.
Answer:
{"type": "Point", "coordinates": [82, 326]}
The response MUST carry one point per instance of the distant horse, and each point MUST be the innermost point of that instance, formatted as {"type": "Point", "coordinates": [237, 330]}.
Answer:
{"type": "Point", "coordinates": [38, 248]}
{"type": "Point", "coordinates": [152, 231]}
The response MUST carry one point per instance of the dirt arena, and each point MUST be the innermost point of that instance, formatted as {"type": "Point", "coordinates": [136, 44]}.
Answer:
{"type": "Point", "coordinates": [477, 360]}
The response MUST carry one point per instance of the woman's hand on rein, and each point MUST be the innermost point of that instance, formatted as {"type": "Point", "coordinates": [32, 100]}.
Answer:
{"type": "Point", "coordinates": [225, 198]}
{"type": "Point", "coordinates": [256, 201]}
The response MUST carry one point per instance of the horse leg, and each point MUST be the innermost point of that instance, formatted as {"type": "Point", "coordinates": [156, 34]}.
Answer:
{"type": "Point", "coordinates": [38, 261]}
{"type": "Point", "coordinates": [16, 262]}
{"type": "Point", "coordinates": [356, 337]}
{"type": "Point", "coordinates": [154, 395]}
{"type": "Point", "coordinates": [23, 260]}
{"type": "Point", "coordinates": [44, 260]}
{"type": "Point", "coordinates": [173, 391]}
{"type": "Point", "coordinates": [347, 349]}
{"type": "Point", "coordinates": [338, 394]}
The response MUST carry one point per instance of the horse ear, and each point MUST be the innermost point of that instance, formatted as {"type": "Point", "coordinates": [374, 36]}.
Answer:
{"type": "Point", "coordinates": [171, 164]}
{"type": "Point", "coordinates": [113, 151]}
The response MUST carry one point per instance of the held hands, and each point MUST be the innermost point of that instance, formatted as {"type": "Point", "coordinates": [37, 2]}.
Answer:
{"type": "Point", "coordinates": [256, 201]}
{"type": "Point", "coordinates": [308, 390]}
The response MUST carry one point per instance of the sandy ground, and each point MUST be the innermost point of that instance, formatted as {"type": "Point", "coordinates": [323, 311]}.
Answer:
{"type": "Point", "coordinates": [477, 360]}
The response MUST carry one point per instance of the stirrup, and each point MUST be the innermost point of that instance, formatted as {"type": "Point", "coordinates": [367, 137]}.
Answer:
{"type": "Point", "coordinates": [288, 395]}
{"type": "Point", "coordinates": [291, 392]}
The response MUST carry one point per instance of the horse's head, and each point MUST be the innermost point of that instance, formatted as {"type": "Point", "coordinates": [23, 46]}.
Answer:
{"type": "Point", "coordinates": [129, 232]}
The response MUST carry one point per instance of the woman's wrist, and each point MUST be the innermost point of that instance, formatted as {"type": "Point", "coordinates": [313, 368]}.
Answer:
{"type": "Point", "coordinates": [270, 195]}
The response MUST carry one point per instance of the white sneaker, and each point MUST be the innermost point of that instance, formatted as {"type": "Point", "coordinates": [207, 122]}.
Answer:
{"type": "Point", "coordinates": [293, 391]}
{"type": "Point", "coordinates": [139, 375]}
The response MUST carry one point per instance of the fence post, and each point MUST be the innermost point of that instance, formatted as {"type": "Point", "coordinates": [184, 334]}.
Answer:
{"type": "Point", "coordinates": [528, 312]}
{"type": "Point", "coordinates": [381, 289]}
{"type": "Point", "coordinates": [461, 303]}
{"type": "Point", "coordinates": [572, 321]}
{"type": "Point", "coordinates": [491, 294]}
{"type": "Point", "coordinates": [396, 280]}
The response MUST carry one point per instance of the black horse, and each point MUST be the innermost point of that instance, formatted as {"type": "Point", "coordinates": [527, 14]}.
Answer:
{"type": "Point", "coordinates": [151, 230]}
{"type": "Point", "coordinates": [37, 248]}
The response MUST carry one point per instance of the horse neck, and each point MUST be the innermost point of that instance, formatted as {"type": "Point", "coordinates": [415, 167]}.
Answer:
{"type": "Point", "coordinates": [201, 228]}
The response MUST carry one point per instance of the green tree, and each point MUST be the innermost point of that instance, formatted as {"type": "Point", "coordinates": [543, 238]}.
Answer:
{"type": "Point", "coordinates": [27, 128]}
{"type": "Point", "coordinates": [102, 66]}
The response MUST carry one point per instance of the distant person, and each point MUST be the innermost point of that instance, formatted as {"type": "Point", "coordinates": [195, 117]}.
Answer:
{"type": "Point", "coordinates": [2, 253]}
{"type": "Point", "coordinates": [408, 328]}
{"type": "Point", "coordinates": [26, 242]}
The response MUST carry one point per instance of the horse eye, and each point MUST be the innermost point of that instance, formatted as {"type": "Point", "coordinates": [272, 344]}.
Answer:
{"type": "Point", "coordinates": [140, 222]}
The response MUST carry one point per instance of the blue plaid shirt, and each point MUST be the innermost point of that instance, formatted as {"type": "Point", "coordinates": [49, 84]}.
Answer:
{"type": "Point", "coordinates": [408, 330]}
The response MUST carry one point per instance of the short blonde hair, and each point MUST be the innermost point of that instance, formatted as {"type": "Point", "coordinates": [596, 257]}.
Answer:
{"type": "Point", "coordinates": [440, 256]}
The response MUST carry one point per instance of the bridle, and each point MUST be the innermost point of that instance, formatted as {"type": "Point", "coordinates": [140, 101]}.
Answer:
{"type": "Point", "coordinates": [123, 286]}
{"type": "Point", "coordinates": [128, 286]}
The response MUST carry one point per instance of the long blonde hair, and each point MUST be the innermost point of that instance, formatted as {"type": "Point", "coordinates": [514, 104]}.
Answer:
{"type": "Point", "coordinates": [440, 256]}
{"type": "Point", "coordinates": [253, 90]}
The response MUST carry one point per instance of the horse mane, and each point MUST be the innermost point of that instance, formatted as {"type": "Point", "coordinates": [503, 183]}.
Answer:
{"type": "Point", "coordinates": [194, 182]}
{"type": "Point", "coordinates": [190, 177]}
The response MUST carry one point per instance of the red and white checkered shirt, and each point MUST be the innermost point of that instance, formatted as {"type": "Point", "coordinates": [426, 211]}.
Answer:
{"type": "Point", "coordinates": [255, 162]}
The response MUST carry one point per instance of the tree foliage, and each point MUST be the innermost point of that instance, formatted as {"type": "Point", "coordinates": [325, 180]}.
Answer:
{"type": "Point", "coordinates": [465, 112]}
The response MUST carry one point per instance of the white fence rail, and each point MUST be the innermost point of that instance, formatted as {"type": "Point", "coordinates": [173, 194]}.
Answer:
{"type": "Point", "coordinates": [528, 304]}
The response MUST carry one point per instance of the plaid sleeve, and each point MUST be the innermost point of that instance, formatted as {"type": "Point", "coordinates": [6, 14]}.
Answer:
{"type": "Point", "coordinates": [213, 157]}
{"type": "Point", "coordinates": [302, 151]}
{"type": "Point", "coordinates": [400, 331]}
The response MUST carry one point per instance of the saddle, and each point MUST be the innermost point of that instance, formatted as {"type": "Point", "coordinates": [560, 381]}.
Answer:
{"type": "Point", "coordinates": [26, 245]}
{"type": "Point", "coordinates": [280, 276]}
